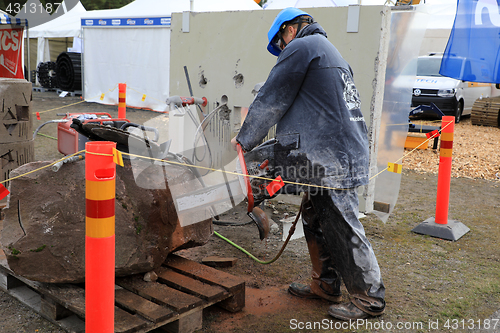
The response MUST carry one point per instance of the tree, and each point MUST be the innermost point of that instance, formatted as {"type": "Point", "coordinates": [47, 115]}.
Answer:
{"type": "Point", "coordinates": [12, 7]}
{"type": "Point", "coordinates": [104, 4]}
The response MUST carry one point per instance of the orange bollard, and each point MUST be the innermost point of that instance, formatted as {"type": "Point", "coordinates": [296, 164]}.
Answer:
{"type": "Point", "coordinates": [444, 173]}
{"type": "Point", "coordinates": [122, 100]}
{"type": "Point", "coordinates": [439, 226]}
{"type": "Point", "coordinates": [100, 173]}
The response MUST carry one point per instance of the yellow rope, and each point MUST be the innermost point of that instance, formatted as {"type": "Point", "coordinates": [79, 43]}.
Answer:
{"type": "Point", "coordinates": [61, 107]}
{"type": "Point", "coordinates": [145, 95]}
{"type": "Point", "coordinates": [86, 100]}
{"type": "Point", "coordinates": [41, 168]}
{"type": "Point", "coordinates": [65, 106]}
{"type": "Point", "coordinates": [411, 151]}
{"type": "Point", "coordinates": [219, 170]}
{"type": "Point", "coordinates": [98, 154]}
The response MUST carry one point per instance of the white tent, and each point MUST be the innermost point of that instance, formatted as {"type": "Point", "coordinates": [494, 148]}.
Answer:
{"type": "Point", "coordinates": [132, 45]}
{"type": "Point", "coordinates": [280, 4]}
{"type": "Point", "coordinates": [67, 25]}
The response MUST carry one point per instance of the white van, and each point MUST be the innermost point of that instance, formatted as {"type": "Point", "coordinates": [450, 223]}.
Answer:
{"type": "Point", "coordinates": [453, 97]}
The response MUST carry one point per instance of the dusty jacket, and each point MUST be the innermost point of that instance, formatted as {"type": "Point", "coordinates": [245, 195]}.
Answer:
{"type": "Point", "coordinates": [311, 96]}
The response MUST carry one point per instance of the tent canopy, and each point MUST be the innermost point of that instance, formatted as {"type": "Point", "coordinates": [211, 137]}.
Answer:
{"type": "Point", "coordinates": [132, 45]}
{"type": "Point", "coordinates": [6, 19]}
{"type": "Point", "coordinates": [280, 4]}
{"type": "Point", "coordinates": [145, 8]}
{"type": "Point", "coordinates": [67, 25]}
{"type": "Point", "coordinates": [63, 26]}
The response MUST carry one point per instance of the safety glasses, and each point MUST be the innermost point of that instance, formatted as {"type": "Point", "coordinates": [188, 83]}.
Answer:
{"type": "Point", "coordinates": [277, 40]}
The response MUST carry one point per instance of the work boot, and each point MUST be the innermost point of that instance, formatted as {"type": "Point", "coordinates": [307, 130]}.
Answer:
{"type": "Point", "coordinates": [313, 291]}
{"type": "Point", "coordinates": [326, 280]}
{"type": "Point", "coordinates": [351, 310]}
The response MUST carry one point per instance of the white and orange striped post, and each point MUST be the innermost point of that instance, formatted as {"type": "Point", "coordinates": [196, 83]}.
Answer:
{"type": "Point", "coordinates": [122, 100]}
{"type": "Point", "coordinates": [100, 173]}
{"type": "Point", "coordinates": [440, 226]}
{"type": "Point", "coordinates": [444, 174]}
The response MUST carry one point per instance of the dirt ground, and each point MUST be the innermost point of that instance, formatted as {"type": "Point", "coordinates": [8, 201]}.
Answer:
{"type": "Point", "coordinates": [433, 285]}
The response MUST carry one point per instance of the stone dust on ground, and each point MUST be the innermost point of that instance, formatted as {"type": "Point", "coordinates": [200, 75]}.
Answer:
{"type": "Point", "coordinates": [429, 281]}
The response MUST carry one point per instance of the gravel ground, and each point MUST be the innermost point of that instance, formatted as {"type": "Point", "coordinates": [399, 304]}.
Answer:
{"type": "Point", "coordinates": [475, 152]}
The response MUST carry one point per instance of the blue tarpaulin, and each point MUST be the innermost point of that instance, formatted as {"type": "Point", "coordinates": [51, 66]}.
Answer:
{"type": "Point", "coordinates": [473, 49]}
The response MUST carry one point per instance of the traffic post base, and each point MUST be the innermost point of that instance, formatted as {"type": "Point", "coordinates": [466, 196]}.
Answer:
{"type": "Point", "coordinates": [453, 230]}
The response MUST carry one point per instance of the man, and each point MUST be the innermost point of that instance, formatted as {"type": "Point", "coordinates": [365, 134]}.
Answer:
{"type": "Point", "coordinates": [322, 138]}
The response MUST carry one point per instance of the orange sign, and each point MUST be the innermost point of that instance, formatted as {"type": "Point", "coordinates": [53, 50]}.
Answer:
{"type": "Point", "coordinates": [11, 55]}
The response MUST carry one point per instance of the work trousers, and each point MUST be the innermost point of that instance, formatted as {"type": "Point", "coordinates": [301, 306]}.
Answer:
{"type": "Point", "coordinates": [339, 248]}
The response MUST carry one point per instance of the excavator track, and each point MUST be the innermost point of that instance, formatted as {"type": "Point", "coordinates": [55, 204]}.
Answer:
{"type": "Point", "coordinates": [486, 112]}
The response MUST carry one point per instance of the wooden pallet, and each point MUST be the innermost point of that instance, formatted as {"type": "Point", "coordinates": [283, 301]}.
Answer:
{"type": "Point", "coordinates": [70, 93]}
{"type": "Point", "coordinates": [42, 89]}
{"type": "Point", "coordinates": [174, 303]}
{"type": "Point", "coordinates": [486, 112]}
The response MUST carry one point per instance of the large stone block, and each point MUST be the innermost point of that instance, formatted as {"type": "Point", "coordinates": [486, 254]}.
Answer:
{"type": "Point", "coordinates": [15, 113]}
{"type": "Point", "coordinates": [43, 232]}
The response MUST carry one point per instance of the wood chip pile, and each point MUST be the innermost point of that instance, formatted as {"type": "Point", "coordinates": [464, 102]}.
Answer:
{"type": "Point", "coordinates": [475, 153]}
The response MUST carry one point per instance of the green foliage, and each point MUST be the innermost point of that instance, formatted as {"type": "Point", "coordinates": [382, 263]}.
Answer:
{"type": "Point", "coordinates": [9, 6]}
{"type": "Point", "coordinates": [39, 249]}
{"type": "Point", "coordinates": [104, 4]}
{"type": "Point", "coordinates": [13, 251]}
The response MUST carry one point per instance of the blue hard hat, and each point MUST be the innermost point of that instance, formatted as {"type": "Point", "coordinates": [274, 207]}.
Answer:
{"type": "Point", "coordinates": [284, 16]}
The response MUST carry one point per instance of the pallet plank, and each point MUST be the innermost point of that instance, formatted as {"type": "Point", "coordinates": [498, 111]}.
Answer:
{"type": "Point", "coordinates": [175, 303]}
{"type": "Point", "coordinates": [127, 323]}
{"type": "Point", "coordinates": [142, 306]}
{"type": "Point", "coordinates": [235, 285]}
{"type": "Point", "coordinates": [160, 293]}
{"type": "Point", "coordinates": [187, 324]}
{"type": "Point", "coordinates": [70, 296]}
{"type": "Point", "coordinates": [187, 284]}
{"type": "Point", "coordinates": [52, 309]}
{"type": "Point", "coordinates": [205, 273]}
{"type": "Point", "coordinates": [72, 324]}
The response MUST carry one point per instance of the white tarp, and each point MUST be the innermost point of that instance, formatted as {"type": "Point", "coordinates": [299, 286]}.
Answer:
{"type": "Point", "coordinates": [132, 45]}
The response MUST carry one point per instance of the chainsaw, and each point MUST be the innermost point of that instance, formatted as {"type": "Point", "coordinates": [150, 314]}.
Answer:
{"type": "Point", "coordinates": [256, 170]}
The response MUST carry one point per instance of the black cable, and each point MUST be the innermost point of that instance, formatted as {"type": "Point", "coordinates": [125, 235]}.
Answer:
{"type": "Point", "coordinates": [231, 224]}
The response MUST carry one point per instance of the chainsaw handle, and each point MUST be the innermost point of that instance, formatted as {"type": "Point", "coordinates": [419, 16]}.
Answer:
{"type": "Point", "coordinates": [247, 179]}
{"type": "Point", "coordinates": [144, 128]}
{"type": "Point", "coordinates": [183, 101]}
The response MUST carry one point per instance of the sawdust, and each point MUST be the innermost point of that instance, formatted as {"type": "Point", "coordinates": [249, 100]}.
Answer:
{"type": "Point", "coordinates": [475, 153]}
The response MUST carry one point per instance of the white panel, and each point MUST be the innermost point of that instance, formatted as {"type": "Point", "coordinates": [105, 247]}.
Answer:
{"type": "Point", "coordinates": [353, 18]}
{"type": "Point", "coordinates": [185, 21]}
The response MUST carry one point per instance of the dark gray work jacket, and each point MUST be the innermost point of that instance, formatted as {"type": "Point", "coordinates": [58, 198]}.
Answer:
{"type": "Point", "coordinates": [311, 96]}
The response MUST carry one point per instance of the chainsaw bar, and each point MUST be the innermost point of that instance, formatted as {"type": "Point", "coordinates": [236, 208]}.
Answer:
{"type": "Point", "coordinates": [123, 138]}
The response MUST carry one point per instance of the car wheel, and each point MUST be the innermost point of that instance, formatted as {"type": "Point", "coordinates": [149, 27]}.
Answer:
{"type": "Point", "coordinates": [458, 111]}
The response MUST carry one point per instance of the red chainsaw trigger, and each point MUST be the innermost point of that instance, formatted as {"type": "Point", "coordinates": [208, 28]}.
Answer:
{"type": "Point", "coordinates": [247, 179]}
{"type": "Point", "coordinates": [264, 164]}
